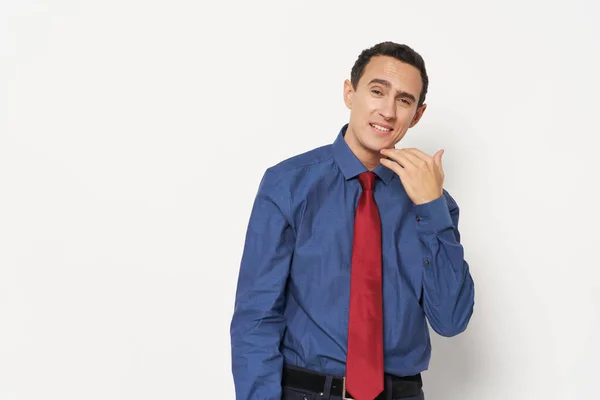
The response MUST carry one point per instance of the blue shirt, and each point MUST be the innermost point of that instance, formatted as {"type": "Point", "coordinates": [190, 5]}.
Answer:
{"type": "Point", "coordinates": [293, 288]}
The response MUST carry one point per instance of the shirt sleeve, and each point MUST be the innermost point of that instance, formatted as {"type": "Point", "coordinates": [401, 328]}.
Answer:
{"type": "Point", "coordinates": [448, 288]}
{"type": "Point", "coordinates": [257, 324]}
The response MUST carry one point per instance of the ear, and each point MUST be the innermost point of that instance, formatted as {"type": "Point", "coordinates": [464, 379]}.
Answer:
{"type": "Point", "coordinates": [418, 115]}
{"type": "Point", "coordinates": [348, 93]}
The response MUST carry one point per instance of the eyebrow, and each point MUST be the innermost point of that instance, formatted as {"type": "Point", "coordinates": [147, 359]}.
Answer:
{"type": "Point", "coordinates": [388, 85]}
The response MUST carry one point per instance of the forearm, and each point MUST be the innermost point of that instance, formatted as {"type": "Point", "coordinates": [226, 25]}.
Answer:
{"type": "Point", "coordinates": [256, 360]}
{"type": "Point", "coordinates": [448, 288]}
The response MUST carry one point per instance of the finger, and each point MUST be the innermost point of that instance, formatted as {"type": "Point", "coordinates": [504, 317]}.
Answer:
{"type": "Point", "coordinates": [437, 157]}
{"type": "Point", "coordinates": [394, 166]}
{"type": "Point", "coordinates": [422, 155]}
{"type": "Point", "coordinates": [410, 156]}
{"type": "Point", "coordinates": [399, 156]}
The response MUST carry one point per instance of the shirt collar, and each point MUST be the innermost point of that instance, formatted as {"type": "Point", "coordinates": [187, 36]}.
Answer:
{"type": "Point", "coordinates": [351, 165]}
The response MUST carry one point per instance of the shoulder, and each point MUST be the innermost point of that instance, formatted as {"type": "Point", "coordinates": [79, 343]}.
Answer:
{"type": "Point", "coordinates": [282, 179]}
{"type": "Point", "coordinates": [298, 164]}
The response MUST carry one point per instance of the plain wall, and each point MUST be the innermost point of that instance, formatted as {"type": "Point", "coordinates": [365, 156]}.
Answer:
{"type": "Point", "coordinates": [133, 135]}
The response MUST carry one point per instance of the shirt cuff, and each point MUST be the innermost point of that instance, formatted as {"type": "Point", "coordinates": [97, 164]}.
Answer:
{"type": "Point", "coordinates": [433, 217]}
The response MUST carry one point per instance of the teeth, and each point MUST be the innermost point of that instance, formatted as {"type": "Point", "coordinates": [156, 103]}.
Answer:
{"type": "Point", "coordinates": [380, 128]}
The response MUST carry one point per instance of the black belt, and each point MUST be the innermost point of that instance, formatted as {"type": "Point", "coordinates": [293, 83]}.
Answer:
{"type": "Point", "coordinates": [299, 378]}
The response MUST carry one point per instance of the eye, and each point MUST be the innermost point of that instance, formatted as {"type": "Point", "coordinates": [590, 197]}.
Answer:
{"type": "Point", "coordinates": [377, 92]}
{"type": "Point", "coordinates": [405, 101]}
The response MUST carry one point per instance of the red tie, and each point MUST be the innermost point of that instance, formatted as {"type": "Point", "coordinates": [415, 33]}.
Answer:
{"type": "Point", "coordinates": [364, 362]}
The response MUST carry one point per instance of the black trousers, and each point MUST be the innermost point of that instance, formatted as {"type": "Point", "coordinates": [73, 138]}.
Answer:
{"type": "Point", "coordinates": [294, 393]}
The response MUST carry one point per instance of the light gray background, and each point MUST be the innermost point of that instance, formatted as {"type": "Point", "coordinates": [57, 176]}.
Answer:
{"type": "Point", "coordinates": [133, 135]}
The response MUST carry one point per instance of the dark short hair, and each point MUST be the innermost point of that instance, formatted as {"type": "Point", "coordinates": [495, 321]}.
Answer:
{"type": "Point", "coordinates": [400, 52]}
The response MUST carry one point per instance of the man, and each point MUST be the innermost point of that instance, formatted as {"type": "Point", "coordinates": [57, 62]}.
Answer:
{"type": "Point", "coordinates": [351, 248]}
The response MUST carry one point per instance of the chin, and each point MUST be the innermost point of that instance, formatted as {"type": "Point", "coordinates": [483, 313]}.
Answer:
{"type": "Point", "coordinates": [377, 144]}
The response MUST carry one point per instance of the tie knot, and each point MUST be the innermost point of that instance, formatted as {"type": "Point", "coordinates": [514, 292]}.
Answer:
{"type": "Point", "coordinates": [367, 180]}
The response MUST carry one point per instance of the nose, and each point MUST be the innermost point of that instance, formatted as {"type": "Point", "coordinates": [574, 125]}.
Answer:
{"type": "Point", "coordinates": [387, 108]}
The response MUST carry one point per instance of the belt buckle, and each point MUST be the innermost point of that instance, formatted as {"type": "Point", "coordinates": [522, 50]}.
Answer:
{"type": "Point", "coordinates": [344, 393]}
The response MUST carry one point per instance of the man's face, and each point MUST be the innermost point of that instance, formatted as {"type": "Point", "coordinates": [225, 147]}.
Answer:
{"type": "Point", "coordinates": [383, 106]}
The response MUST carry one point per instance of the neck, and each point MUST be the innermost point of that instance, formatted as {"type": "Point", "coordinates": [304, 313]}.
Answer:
{"type": "Point", "coordinates": [368, 158]}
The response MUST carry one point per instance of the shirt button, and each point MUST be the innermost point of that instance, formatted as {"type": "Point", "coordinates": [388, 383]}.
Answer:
{"type": "Point", "coordinates": [418, 218]}
{"type": "Point", "coordinates": [426, 261]}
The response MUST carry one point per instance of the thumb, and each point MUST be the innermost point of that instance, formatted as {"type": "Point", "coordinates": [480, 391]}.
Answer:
{"type": "Point", "coordinates": [438, 157]}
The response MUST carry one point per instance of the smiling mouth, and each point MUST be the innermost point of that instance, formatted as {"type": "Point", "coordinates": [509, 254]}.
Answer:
{"type": "Point", "coordinates": [380, 128]}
